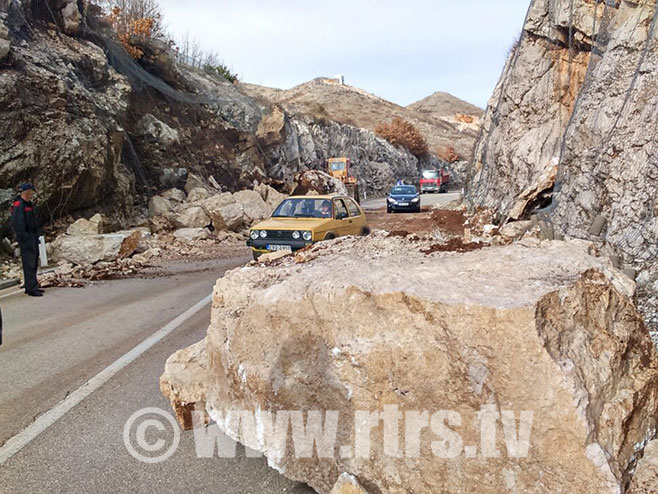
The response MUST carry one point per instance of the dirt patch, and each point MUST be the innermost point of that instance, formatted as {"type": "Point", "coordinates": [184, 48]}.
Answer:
{"type": "Point", "coordinates": [450, 222]}
{"type": "Point", "coordinates": [453, 245]}
{"type": "Point", "coordinates": [398, 233]}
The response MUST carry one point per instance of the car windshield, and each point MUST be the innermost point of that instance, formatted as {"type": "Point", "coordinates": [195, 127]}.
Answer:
{"type": "Point", "coordinates": [431, 174]}
{"type": "Point", "coordinates": [304, 208]}
{"type": "Point", "coordinates": [406, 190]}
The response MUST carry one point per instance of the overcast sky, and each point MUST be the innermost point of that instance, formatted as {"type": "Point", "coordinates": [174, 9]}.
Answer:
{"type": "Point", "coordinates": [399, 50]}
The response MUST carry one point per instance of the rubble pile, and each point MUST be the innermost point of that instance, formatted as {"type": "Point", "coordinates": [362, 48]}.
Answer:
{"type": "Point", "coordinates": [551, 332]}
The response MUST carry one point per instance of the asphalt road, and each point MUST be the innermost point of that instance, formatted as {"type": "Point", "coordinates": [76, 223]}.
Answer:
{"type": "Point", "coordinates": [55, 344]}
{"type": "Point", "coordinates": [427, 200]}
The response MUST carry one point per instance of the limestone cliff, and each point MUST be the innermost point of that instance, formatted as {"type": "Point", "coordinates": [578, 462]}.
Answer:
{"type": "Point", "coordinates": [570, 129]}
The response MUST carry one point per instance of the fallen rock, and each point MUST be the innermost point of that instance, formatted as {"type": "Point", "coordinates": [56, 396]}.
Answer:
{"type": "Point", "coordinates": [175, 195]}
{"type": "Point", "coordinates": [318, 182]}
{"type": "Point", "coordinates": [254, 207]}
{"type": "Point", "coordinates": [645, 480]}
{"type": "Point", "coordinates": [198, 194]}
{"type": "Point", "coordinates": [184, 383]}
{"type": "Point", "coordinates": [159, 206]}
{"type": "Point", "coordinates": [273, 256]}
{"type": "Point", "coordinates": [270, 195]}
{"type": "Point", "coordinates": [99, 221]}
{"type": "Point", "coordinates": [347, 484]}
{"type": "Point", "coordinates": [550, 339]}
{"type": "Point", "coordinates": [229, 217]}
{"type": "Point", "coordinates": [191, 235]}
{"type": "Point", "coordinates": [194, 217]}
{"type": "Point", "coordinates": [90, 249]}
{"type": "Point", "coordinates": [217, 201]}
{"type": "Point", "coordinates": [83, 227]}
{"type": "Point", "coordinates": [515, 229]}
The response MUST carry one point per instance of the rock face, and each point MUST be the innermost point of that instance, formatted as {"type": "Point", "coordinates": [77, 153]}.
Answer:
{"type": "Point", "coordinates": [645, 480]}
{"type": "Point", "coordinates": [550, 341]}
{"type": "Point", "coordinates": [94, 132]}
{"type": "Point", "coordinates": [61, 107]}
{"type": "Point", "coordinates": [579, 92]}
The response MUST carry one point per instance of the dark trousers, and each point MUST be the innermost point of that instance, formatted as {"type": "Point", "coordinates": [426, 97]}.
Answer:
{"type": "Point", "coordinates": [30, 257]}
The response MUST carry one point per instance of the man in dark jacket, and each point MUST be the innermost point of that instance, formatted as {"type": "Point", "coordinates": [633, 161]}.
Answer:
{"type": "Point", "coordinates": [26, 227]}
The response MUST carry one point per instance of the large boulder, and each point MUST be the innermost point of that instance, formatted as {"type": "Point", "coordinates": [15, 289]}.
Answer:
{"type": "Point", "coordinates": [229, 217]}
{"type": "Point", "coordinates": [270, 195]}
{"type": "Point", "coordinates": [83, 227]}
{"type": "Point", "coordinates": [90, 249]}
{"type": "Point", "coordinates": [255, 208]}
{"type": "Point", "coordinates": [193, 217]}
{"type": "Point", "coordinates": [548, 375]}
{"type": "Point", "coordinates": [174, 195]}
{"type": "Point", "coordinates": [191, 235]}
{"type": "Point", "coordinates": [159, 206]}
{"type": "Point", "coordinates": [198, 194]}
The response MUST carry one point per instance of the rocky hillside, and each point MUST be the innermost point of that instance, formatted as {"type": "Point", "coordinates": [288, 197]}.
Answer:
{"type": "Point", "coordinates": [442, 104]}
{"type": "Point", "coordinates": [571, 130]}
{"type": "Point", "coordinates": [437, 117]}
{"type": "Point", "coordinates": [98, 132]}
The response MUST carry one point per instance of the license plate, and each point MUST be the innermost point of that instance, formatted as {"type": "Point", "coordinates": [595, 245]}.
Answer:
{"type": "Point", "coordinates": [279, 247]}
{"type": "Point", "coordinates": [404, 204]}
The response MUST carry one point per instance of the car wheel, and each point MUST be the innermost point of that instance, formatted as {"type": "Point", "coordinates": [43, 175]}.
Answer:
{"type": "Point", "coordinates": [256, 254]}
{"type": "Point", "coordinates": [330, 236]}
{"type": "Point", "coordinates": [417, 210]}
{"type": "Point", "coordinates": [365, 231]}
{"type": "Point", "coordinates": [388, 210]}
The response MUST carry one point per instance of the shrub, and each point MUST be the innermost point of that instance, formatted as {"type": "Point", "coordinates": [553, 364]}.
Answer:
{"type": "Point", "coordinates": [221, 70]}
{"type": "Point", "coordinates": [131, 31]}
{"type": "Point", "coordinates": [402, 133]}
{"type": "Point", "coordinates": [447, 154]}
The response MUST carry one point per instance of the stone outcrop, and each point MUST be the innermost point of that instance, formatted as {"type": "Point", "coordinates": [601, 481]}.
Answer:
{"type": "Point", "coordinates": [550, 340]}
{"type": "Point", "coordinates": [579, 92]}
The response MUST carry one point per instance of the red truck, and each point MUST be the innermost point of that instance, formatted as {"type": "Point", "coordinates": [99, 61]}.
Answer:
{"type": "Point", "coordinates": [434, 181]}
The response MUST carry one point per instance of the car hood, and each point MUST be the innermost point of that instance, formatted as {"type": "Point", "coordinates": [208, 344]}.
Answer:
{"type": "Point", "coordinates": [292, 224]}
{"type": "Point", "coordinates": [405, 197]}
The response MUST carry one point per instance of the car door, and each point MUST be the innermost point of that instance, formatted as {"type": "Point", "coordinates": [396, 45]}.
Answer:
{"type": "Point", "coordinates": [358, 219]}
{"type": "Point", "coordinates": [342, 217]}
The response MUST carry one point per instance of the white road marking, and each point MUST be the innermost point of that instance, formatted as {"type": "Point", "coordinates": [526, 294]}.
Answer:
{"type": "Point", "coordinates": [22, 439]}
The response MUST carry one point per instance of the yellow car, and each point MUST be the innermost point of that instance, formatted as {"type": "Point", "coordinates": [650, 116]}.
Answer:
{"type": "Point", "coordinates": [303, 220]}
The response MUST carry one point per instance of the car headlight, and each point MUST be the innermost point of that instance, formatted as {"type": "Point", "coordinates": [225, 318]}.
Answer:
{"type": "Point", "coordinates": [390, 199]}
{"type": "Point", "coordinates": [296, 235]}
{"type": "Point", "coordinates": [263, 234]}
{"type": "Point", "coordinates": [415, 199]}
{"type": "Point", "coordinates": [308, 236]}
{"type": "Point", "coordinates": [254, 234]}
